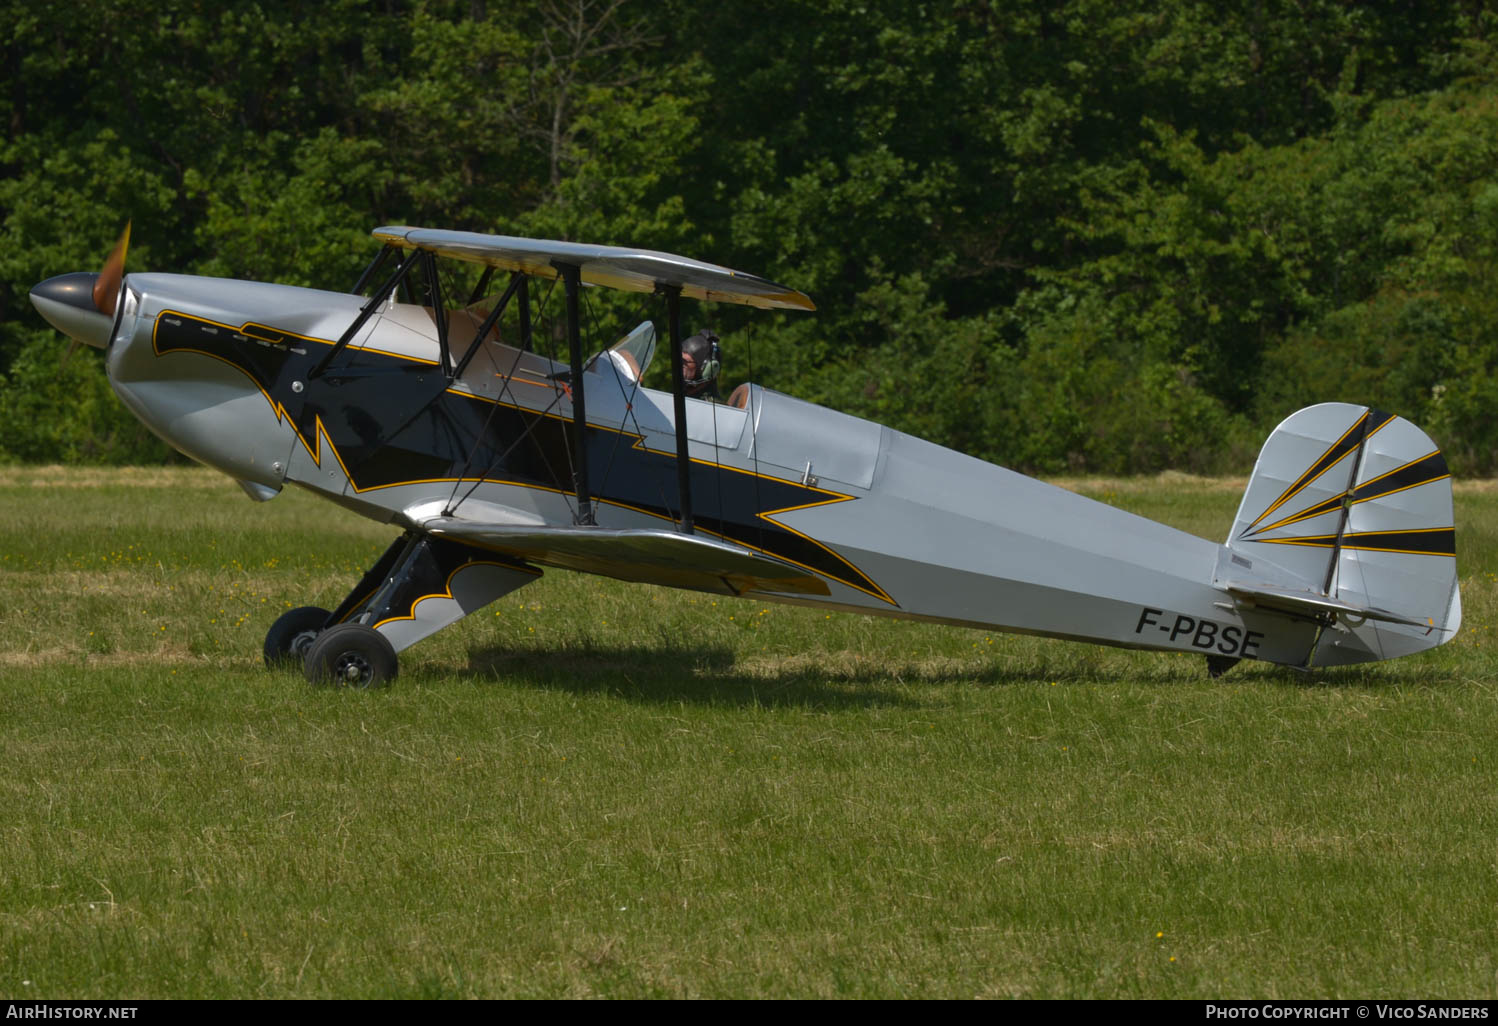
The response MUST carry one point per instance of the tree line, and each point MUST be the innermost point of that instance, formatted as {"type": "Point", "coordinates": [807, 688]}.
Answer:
{"type": "Point", "coordinates": [1064, 235]}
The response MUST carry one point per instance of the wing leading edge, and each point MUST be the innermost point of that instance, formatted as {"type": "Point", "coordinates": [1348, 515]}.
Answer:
{"type": "Point", "coordinates": [647, 556]}
{"type": "Point", "coordinates": [617, 267]}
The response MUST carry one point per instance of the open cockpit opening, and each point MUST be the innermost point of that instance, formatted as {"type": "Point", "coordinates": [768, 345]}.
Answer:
{"type": "Point", "coordinates": [446, 295]}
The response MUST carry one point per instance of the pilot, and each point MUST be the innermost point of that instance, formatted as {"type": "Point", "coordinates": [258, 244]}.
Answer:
{"type": "Point", "coordinates": [700, 362]}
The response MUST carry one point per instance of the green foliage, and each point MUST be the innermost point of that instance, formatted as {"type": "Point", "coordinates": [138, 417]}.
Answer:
{"type": "Point", "coordinates": [63, 211]}
{"type": "Point", "coordinates": [935, 377]}
{"type": "Point", "coordinates": [293, 220]}
{"type": "Point", "coordinates": [61, 410]}
{"type": "Point", "coordinates": [1463, 413]}
{"type": "Point", "coordinates": [620, 187]}
{"type": "Point", "coordinates": [1011, 216]}
{"type": "Point", "coordinates": [1084, 406]}
{"type": "Point", "coordinates": [1343, 266]}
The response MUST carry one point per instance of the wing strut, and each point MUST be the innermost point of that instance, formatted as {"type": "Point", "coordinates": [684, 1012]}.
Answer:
{"type": "Point", "coordinates": [439, 310]}
{"type": "Point", "coordinates": [524, 311]}
{"type": "Point", "coordinates": [482, 288]}
{"type": "Point", "coordinates": [365, 314]}
{"type": "Point", "coordinates": [374, 268]}
{"type": "Point", "coordinates": [679, 406]}
{"type": "Point", "coordinates": [516, 281]}
{"type": "Point", "coordinates": [572, 278]}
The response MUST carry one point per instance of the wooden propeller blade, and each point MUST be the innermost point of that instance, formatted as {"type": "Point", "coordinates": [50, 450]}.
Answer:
{"type": "Point", "coordinates": [107, 288]}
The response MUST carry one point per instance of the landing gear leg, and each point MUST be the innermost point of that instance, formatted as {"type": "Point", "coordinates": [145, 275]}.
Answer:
{"type": "Point", "coordinates": [420, 585]}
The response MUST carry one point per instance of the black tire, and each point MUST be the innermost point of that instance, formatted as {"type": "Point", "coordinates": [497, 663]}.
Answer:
{"type": "Point", "coordinates": [1217, 665]}
{"type": "Point", "coordinates": [351, 655]}
{"type": "Point", "coordinates": [292, 635]}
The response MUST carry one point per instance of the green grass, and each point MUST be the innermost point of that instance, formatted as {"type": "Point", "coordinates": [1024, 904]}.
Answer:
{"type": "Point", "coordinates": [599, 789]}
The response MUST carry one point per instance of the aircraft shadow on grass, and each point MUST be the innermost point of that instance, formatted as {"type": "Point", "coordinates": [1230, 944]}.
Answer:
{"type": "Point", "coordinates": [698, 676]}
{"type": "Point", "coordinates": [712, 676]}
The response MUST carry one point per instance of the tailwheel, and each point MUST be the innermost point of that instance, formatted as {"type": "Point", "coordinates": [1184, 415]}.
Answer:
{"type": "Point", "coordinates": [1218, 665]}
{"type": "Point", "coordinates": [351, 655]}
{"type": "Point", "coordinates": [292, 635]}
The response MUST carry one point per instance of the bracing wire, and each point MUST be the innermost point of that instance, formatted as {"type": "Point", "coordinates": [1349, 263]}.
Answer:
{"type": "Point", "coordinates": [479, 440]}
{"type": "Point", "coordinates": [759, 528]}
{"type": "Point", "coordinates": [628, 397]}
{"type": "Point", "coordinates": [560, 390]}
{"type": "Point", "coordinates": [660, 481]}
{"type": "Point", "coordinates": [717, 458]}
{"type": "Point", "coordinates": [450, 284]}
{"type": "Point", "coordinates": [535, 420]}
{"type": "Point", "coordinates": [500, 456]}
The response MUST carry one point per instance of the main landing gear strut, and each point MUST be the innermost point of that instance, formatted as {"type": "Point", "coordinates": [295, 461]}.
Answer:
{"type": "Point", "coordinates": [420, 585]}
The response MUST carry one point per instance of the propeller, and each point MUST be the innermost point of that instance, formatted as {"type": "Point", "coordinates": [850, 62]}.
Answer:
{"type": "Point", "coordinates": [107, 288]}
{"type": "Point", "coordinates": [103, 292]}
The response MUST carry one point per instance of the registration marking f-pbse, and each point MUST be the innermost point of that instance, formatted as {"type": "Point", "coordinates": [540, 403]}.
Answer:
{"type": "Point", "coordinates": [1208, 635]}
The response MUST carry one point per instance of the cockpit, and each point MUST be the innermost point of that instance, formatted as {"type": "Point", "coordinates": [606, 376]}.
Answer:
{"type": "Point", "coordinates": [563, 413]}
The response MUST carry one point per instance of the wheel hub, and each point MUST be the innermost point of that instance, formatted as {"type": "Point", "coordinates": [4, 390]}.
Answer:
{"type": "Point", "coordinates": [352, 668]}
{"type": "Point", "coordinates": [350, 655]}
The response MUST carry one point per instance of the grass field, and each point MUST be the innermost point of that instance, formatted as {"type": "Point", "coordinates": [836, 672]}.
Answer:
{"type": "Point", "coordinates": [594, 789]}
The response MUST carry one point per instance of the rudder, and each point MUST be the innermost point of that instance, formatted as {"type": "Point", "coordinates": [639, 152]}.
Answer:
{"type": "Point", "coordinates": [1348, 520]}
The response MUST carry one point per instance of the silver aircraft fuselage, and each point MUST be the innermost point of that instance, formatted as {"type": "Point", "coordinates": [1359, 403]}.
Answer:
{"type": "Point", "coordinates": [873, 520]}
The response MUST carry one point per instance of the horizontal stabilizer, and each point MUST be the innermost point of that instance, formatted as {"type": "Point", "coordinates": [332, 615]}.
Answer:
{"type": "Point", "coordinates": [1312, 604]}
{"type": "Point", "coordinates": [647, 556]}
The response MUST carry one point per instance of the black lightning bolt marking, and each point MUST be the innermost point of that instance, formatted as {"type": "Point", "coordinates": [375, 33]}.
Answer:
{"type": "Point", "coordinates": [392, 420]}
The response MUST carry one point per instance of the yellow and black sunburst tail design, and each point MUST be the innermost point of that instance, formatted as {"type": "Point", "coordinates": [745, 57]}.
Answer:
{"type": "Point", "coordinates": [1349, 446]}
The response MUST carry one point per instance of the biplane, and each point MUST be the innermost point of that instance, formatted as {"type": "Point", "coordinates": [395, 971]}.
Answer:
{"type": "Point", "coordinates": [429, 405]}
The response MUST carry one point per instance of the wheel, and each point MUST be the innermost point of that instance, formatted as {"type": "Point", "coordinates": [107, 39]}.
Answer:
{"type": "Point", "coordinates": [351, 655]}
{"type": "Point", "coordinates": [1218, 665]}
{"type": "Point", "coordinates": [292, 635]}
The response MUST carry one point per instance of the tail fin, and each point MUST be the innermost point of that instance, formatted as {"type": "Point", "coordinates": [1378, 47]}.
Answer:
{"type": "Point", "coordinates": [1348, 521]}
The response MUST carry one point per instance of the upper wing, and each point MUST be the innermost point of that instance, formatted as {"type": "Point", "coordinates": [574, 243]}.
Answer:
{"type": "Point", "coordinates": [618, 267]}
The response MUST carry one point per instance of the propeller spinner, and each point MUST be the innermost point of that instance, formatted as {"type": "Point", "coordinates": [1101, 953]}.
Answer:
{"type": "Point", "coordinates": [82, 304]}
